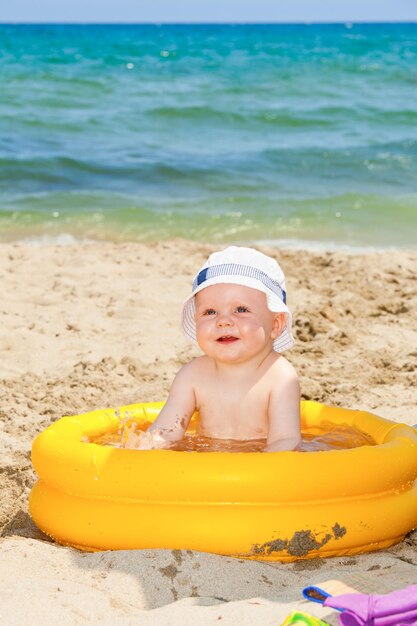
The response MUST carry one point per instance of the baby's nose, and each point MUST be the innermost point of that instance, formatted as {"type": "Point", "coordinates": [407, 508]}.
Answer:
{"type": "Point", "coordinates": [224, 319]}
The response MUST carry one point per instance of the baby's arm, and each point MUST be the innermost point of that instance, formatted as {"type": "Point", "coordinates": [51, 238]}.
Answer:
{"type": "Point", "coordinates": [284, 411]}
{"type": "Point", "coordinates": [172, 421]}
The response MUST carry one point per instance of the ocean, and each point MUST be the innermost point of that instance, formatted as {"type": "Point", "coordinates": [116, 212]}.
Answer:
{"type": "Point", "coordinates": [295, 135]}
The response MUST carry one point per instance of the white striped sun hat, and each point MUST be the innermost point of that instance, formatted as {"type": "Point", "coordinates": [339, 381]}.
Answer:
{"type": "Point", "coordinates": [247, 267]}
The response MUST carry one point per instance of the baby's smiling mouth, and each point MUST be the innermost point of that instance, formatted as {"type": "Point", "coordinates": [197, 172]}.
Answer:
{"type": "Point", "coordinates": [227, 339]}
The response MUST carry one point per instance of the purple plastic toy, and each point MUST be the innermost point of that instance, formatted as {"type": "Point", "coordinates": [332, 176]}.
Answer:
{"type": "Point", "coordinates": [398, 608]}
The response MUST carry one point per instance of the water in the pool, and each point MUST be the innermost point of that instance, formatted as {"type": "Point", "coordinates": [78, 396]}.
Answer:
{"type": "Point", "coordinates": [335, 438]}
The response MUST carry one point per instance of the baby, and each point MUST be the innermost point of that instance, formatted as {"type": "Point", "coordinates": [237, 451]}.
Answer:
{"type": "Point", "coordinates": [242, 386]}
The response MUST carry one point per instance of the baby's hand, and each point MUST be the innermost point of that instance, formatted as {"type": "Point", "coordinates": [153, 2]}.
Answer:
{"type": "Point", "coordinates": [144, 441]}
{"type": "Point", "coordinates": [137, 441]}
{"type": "Point", "coordinates": [282, 445]}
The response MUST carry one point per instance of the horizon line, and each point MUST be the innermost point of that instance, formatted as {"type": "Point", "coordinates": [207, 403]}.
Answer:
{"type": "Point", "coordinates": [208, 23]}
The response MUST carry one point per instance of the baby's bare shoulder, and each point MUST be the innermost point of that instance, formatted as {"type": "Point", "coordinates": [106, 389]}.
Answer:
{"type": "Point", "coordinates": [197, 366]}
{"type": "Point", "coordinates": [188, 376]}
{"type": "Point", "coordinates": [281, 368]}
{"type": "Point", "coordinates": [198, 373]}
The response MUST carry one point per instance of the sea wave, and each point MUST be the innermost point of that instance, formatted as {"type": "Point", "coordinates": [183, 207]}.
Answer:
{"type": "Point", "coordinates": [301, 132]}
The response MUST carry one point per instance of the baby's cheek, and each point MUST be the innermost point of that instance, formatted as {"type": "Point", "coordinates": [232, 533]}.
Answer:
{"type": "Point", "coordinates": [255, 330]}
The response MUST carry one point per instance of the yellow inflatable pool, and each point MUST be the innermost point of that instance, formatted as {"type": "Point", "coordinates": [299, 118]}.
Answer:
{"type": "Point", "coordinates": [276, 506]}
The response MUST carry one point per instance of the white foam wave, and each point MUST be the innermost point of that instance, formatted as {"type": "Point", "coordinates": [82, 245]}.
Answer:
{"type": "Point", "coordinates": [325, 246]}
{"type": "Point", "coordinates": [63, 239]}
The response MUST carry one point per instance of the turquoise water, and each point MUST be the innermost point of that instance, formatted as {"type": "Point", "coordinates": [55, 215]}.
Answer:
{"type": "Point", "coordinates": [286, 133]}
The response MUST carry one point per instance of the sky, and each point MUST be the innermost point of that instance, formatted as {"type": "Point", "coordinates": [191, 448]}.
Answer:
{"type": "Point", "coordinates": [200, 11]}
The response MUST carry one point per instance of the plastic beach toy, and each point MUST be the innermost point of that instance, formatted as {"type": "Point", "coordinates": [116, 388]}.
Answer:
{"type": "Point", "coordinates": [398, 608]}
{"type": "Point", "coordinates": [302, 619]}
{"type": "Point", "coordinates": [278, 506]}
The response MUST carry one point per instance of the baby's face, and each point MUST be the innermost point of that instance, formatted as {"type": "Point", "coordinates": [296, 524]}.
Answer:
{"type": "Point", "coordinates": [234, 324]}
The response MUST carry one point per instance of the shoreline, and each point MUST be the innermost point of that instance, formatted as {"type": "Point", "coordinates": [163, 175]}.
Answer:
{"type": "Point", "coordinates": [96, 324]}
{"type": "Point", "coordinates": [298, 245]}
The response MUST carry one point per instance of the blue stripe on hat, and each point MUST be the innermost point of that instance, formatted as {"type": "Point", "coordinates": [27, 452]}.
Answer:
{"type": "Point", "coordinates": [232, 269]}
{"type": "Point", "coordinates": [202, 277]}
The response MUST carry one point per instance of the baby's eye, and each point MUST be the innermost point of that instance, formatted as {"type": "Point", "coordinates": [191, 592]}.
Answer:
{"type": "Point", "coordinates": [210, 312]}
{"type": "Point", "coordinates": [242, 309]}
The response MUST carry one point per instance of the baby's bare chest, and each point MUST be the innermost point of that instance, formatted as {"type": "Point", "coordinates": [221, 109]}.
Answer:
{"type": "Point", "coordinates": [235, 411]}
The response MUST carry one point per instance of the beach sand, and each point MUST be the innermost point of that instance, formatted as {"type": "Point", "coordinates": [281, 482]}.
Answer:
{"type": "Point", "coordinates": [94, 325]}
